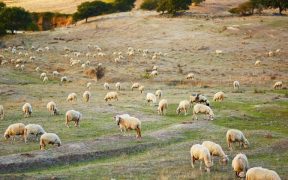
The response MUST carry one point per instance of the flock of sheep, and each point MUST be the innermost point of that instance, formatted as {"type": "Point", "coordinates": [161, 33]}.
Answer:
{"type": "Point", "coordinates": [203, 152]}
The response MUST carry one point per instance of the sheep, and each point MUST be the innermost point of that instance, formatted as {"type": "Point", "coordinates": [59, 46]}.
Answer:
{"type": "Point", "coordinates": [86, 96]}
{"type": "Point", "coordinates": [118, 86]}
{"type": "Point", "coordinates": [42, 75]}
{"type": "Point", "coordinates": [259, 173]}
{"type": "Point", "coordinates": [111, 95]}
{"type": "Point", "coordinates": [219, 96]}
{"type": "Point", "coordinates": [45, 79]}
{"type": "Point", "coordinates": [27, 109]}
{"type": "Point", "coordinates": [159, 93]}
{"type": "Point", "coordinates": [51, 107]}
{"type": "Point", "coordinates": [106, 86]}
{"type": "Point", "coordinates": [257, 63]}
{"type": "Point", "coordinates": [154, 73]}
{"type": "Point", "coordinates": [32, 58]}
{"type": "Point", "coordinates": [72, 97]}
{"type": "Point", "coordinates": [163, 105]}
{"type": "Point", "coordinates": [14, 130]}
{"type": "Point", "coordinates": [37, 69]}
{"type": "Point", "coordinates": [190, 76]}
{"type": "Point", "coordinates": [34, 129]}
{"type": "Point", "coordinates": [235, 135]}
{"type": "Point", "coordinates": [216, 150]}
{"type": "Point", "coordinates": [199, 152]}
{"type": "Point", "coordinates": [278, 85]}
{"type": "Point", "coordinates": [55, 73]}
{"type": "Point", "coordinates": [236, 85]}
{"type": "Point", "coordinates": [218, 51]}
{"type": "Point", "coordinates": [240, 164]}
{"type": "Point", "coordinates": [89, 84]}
{"type": "Point", "coordinates": [49, 138]}
{"type": "Point", "coordinates": [22, 67]}
{"type": "Point", "coordinates": [198, 98]}
{"type": "Point", "coordinates": [270, 53]}
{"type": "Point", "coordinates": [183, 106]}
{"type": "Point", "coordinates": [201, 108]}
{"type": "Point", "coordinates": [150, 97]}
{"type": "Point", "coordinates": [64, 79]}
{"type": "Point", "coordinates": [1, 112]}
{"type": "Point", "coordinates": [73, 115]}
{"type": "Point", "coordinates": [126, 123]}
{"type": "Point", "coordinates": [155, 68]}
{"type": "Point", "coordinates": [141, 89]}
{"type": "Point", "coordinates": [135, 85]}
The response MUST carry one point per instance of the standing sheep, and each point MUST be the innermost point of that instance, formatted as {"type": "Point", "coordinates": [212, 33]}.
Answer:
{"type": "Point", "coordinates": [111, 95]}
{"type": "Point", "coordinates": [159, 93]}
{"type": "Point", "coordinates": [42, 75]}
{"type": "Point", "coordinates": [240, 165]}
{"type": "Point", "coordinates": [73, 115]}
{"type": "Point", "coordinates": [199, 152]}
{"type": "Point", "coordinates": [219, 96]}
{"type": "Point", "coordinates": [118, 86]}
{"type": "Point", "coordinates": [27, 109]}
{"type": "Point", "coordinates": [86, 96]}
{"type": "Point", "coordinates": [106, 86]}
{"type": "Point", "coordinates": [51, 107]}
{"type": "Point", "coordinates": [1, 112]}
{"type": "Point", "coordinates": [278, 85]}
{"type": "Point", "coordinates": [216, 150]}
{"type": "Point", "coordinates": [14, 130]}
{"type": "Point", "coordinates": [135, 85]}
{"type": "Point", "coordinates": [198, 98]}
{"type": "Point", "coordinates": [150, 97]}
{"type": "Point", "coordinates": [49, 138]}
{"type": "Point", "coordinates": [64, 79]}
{"type": "Point", "coordinates": [183, 106]}
{"type": "Point", "coordinates": [235, 135]}
{"type": "Point", "coordinates": [72, 97]}
{"type": "Point", "coordinates": [190, 76]}
{"type": "Point", "coordinates": [162, 107]}
{"type": "Point", "coordinates": [201, 108]}
{"type": "Point", "coordinates": [141, 89]}
{"type": "Point", "coordinates": [33, 129]}
{"type": "Point", "coordinates": [129, 123]}
{"type": "Point", "coordinates": [257, 63]}
{"type": "Point", "coordinates": [259, 173]}
{"type": "Point", "coordinates": [89, 84]}
{"type": "Point", "coordinates": [236, 85]}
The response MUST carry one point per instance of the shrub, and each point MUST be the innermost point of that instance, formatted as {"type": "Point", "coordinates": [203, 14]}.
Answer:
{"type": "Point", "coordinates": [123, 5]}
{"type": "Point", "coordinates": [100, 72]}
{"type": "Point", "coordinates": [149, 4]}
{"type": "Point", "coordinates": [172, 6]}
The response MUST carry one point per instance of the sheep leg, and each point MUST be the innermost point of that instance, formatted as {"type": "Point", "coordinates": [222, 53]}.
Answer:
{"type": "Point", "coordinates": [200, 165]}
{"type": "Point", "coordinates": [185, 112]}
{"type": "Point", "coordinates": [138, 130]}
{"type": "Point", "coordinates": [192, 161]}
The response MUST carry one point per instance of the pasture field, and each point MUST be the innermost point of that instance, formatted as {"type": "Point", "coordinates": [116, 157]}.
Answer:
{"type": "Point", "coordinates": [164, 150]}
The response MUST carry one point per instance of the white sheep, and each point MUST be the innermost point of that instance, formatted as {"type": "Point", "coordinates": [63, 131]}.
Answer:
{"type": "Point", "coordinates": [27, 109]}
{"type": "Point", "coordinates": [278, 85]}
{"type": "Point", "coordinates": [141, 89]}
{"type": "Point", "coordinates": [159, 93]}
{"type": "Point", "coordinates": [14, 130]}
{"type": "Point", "coordinates": [118, 86]}
{"type": "Point", "coordinates": [64, 79]}
{"type": "Point", "coordinates": [235, 135]}
{"type": "Point", "coordinates": [126, 123]}
{"type": "Point", "coordinates": [257, 63]}
{"type": "Point", "coordinates": [37, 69]}
{"type": "Point", "coordinates": [33, 129]}
{"type": "Point", "coordinates": [270, 53]}
{"type": "Point", "coordinates": [201, 108]}
{"type": "Point", "coordinates": [183, 106]}
{"type": "Point", "coordinates": [190, 76]}
{"type": "Point", "coordinates": [22, 67]}
{"type": "Point", "coordinates": [150, 97]}
{"type": "Point", "coordinates": [199, 152]}
{"type": "Point", "coordinates": [72, 97]}
{"type": "Point", "coordinates": [88, 85]}
{"type": "Point", "coordinates": [111, 95]}
{"type": "Point", "coordinates": [154, 73]}
{"type": "Point", "coordinates": [199, 98]}
{"type": "Point", "coordinates": [240, 165]}
{"type": "Point", "coordinates": [155, 68]}
{"type": "Point", "coordinates": [1, 112]}
{"type": "Point", "coordinates": [236, 85]}
{"type": "Point", "coordinates": [135, 85]}
{"type": "Point", "coordinates": [42, 75]}
{"type": "Point", "coordinates": [218, 52]}
{"type": "Point", "coordinates": [51, 107]}
{"type": "Point", "coordinates": [55, 73]}
{"type": "Point", "coordinates": [216, 150]}
{"type": "Point", "coordinates": [49, 138]}
{"type": "Point", "coordinates": [45, 79]}
{"type": "Point", "coordinates": [106, 86]}
{"type": "Point", "coordinates": [86, 96]}
{"type": "Point", "coordinates": [73, 115]}
{"type": "Point", "coordinates": [162, 106]}
{"type": "Point", "coordinates": [219, 96]}
{"type": "Point", "coordinates": [259, 173]}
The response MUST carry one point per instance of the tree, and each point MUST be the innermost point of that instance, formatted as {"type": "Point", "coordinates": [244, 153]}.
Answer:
{"type": "Point", "coordinates": [2, 6]}
{"type": "Point", "coordinates": [149, 4]}
{"type": "Point", "coordinates": [282, 5]}
{"type": "Point", "coordinates": [15, 18]}
{"type": "Point", "coordinates": [123, 5]}
{"type": "Point", "coordinates": [172, 6]}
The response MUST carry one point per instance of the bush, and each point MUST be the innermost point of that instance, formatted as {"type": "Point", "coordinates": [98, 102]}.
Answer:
{"type": "Point", "coordinates": [172, 6]}
{"type": "Point", "coordinates": [149, 4]}
{"type": "Point", "coordinates": [123, 5]}
{"type": "Point", "coordinates": [247, 8]}
{"type": "Point", "coordinates": [100, 72]}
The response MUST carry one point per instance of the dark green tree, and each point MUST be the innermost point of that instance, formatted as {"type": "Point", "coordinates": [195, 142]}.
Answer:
{"type": "Point", "coordinates": [282, 5]}
{"type": "Point", "coordinates": [123, 5]}
{"type": "Point", "coordinates": [172, 6]}
{"type": "Point", "coordinates": [149, 4]}
{"type": "Point", "coordinates": [2, 6]}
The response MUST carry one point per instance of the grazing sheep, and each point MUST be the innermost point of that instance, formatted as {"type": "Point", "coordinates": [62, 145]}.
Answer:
{"type": "Point", "coordinates": [106, 86]}
{"type": "Point", "coordinates": [158, 93]}
{"type": "Point", "coordinates": [45, 79]}
{"type": "Point", "coordinates": [216, 150]}
{"type": "Point", "coordinates": [49, 138]}
{"type": "Point", "coordinates": [219, 96]}
{"type": "Point", "coordinates": [126, 123]}
{"type": "Point", "coordinates": [73, 115]}
{"type": "Point", "coordinates": [86, 96]}
{"type": "Point", "coordinates": [183, 106]}
{"type": "Point", "coordinates": [64, 79]}
{"type": "Point", "coordinates": [201, 108]}
{"type": "Point", "coordinates": [257, 62]}
{"type": "Point", "coordinates": [236, 85]}
{"type": "Point", "coordinates": [270, 53]}
{"type": "Point", "coordinates": [27, 109]}
{"type": "Point", "coordinates": [154, 73]}
{"type": "Point", "coordinates": [55, 73]}
{"type": "Point", "coordinates": [150, 97]}
{"type": "Point", "coordinates": [199, 152]}
{"type": "Point", "coordinates": [51, 106]}
{"type": "Point", "coordinates": [72, 97]}
{"type": "Point", "coordinates": [198, 98]}
{"type": "Point", "coordinates": [1, 112]}
{"type": "Point", "coordinates": [141, 89]}
{"type": "Point", "coordinates": [190, 76]}
{"type": "Point", "coordinates": [111, 95]}
{"type": "Point", "coordinates": [162, 107]}
{"type": "Point", "coordinates": [118, 86]}
{"type": "Point", "coordinates": [259, 173]}
{"type": "Point", "coordinates": [240, 164]}
{"type": "Point", "coordinates": [278, 85]}
{"type": "Point", "coordinates": [235, 135]}
{"type": "Point", "coordinates": [135, 85]}
{"type": "Point", "coordinates": [33, 129]}
{"type": "Point", "coordinates": [155, 68]}
{"type": "Point", "coordinates": [14, 130]}
{"type": "Point", "coordinates": [22, 67]}
{"type": "Point", "coordinates": [218, 51]}
{"type": "Point", "coordinates": [42, 75]}
{"type": "Point", "coordinates": [89, 84]}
